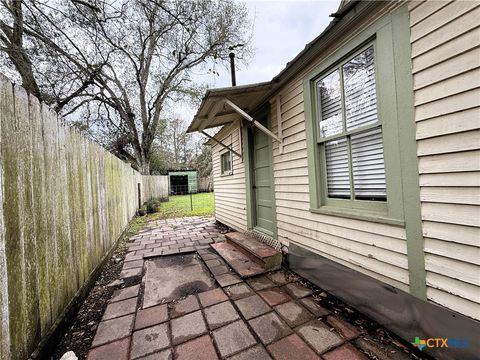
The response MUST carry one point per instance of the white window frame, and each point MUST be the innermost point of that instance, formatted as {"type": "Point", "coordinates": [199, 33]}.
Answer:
{"type": "Point", "coordinates": [224, 172]}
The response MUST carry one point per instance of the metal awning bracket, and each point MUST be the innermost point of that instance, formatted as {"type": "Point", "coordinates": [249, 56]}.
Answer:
{"type": "Point", "coordinates": [254, 122]}
{"type": "Point", "coordinates": [221, 144]}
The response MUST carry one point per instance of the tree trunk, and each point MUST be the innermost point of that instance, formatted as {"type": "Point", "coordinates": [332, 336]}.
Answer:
{"type": "Point", "coordinates": [143, 164]}
{"type": "Point", "coordinates": [144, 167]}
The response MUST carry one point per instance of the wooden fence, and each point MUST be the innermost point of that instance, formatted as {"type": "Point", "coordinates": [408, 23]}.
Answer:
{"type": "Point", "coordinates": [64, 201]}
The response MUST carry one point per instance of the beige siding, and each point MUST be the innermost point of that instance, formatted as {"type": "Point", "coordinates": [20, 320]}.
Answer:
{"type": "Point", "coordinates": [376, 250]}
{"type": "Point", "coordinates": [445, 39]}
{"type": "Point", "coordinates": [230, 190]}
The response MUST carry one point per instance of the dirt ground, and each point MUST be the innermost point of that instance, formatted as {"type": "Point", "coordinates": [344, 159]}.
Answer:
{"type": "Point", "coordinates": [81, 332]}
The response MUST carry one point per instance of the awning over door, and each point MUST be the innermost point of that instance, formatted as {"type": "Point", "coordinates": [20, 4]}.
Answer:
{"type": "Point", "coordinates": [223, 106]}
{"type": "Point", "coordinates": [215, 111]}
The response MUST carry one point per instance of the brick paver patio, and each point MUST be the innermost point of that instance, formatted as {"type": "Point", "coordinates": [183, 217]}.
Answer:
{"type": "Point", "coordinates": [267, 317]}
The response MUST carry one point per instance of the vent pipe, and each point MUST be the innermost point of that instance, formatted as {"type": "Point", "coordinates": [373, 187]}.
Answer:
{"type": "Point", "coordinates": [232, 68]}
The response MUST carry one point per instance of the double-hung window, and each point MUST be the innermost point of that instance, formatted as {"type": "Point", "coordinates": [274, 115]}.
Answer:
{"type": "Point", "coordinates": [350, 131]}
{"type": "Point", "coordinates": [226, 163]}
{"type": "Point", "coordinates": [352, 123]}
{"type": "Point", "coordinates": [360, 128]}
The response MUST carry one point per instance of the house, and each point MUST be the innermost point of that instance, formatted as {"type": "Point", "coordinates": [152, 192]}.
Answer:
{"type": "Point", "coordinates": [361, 160]}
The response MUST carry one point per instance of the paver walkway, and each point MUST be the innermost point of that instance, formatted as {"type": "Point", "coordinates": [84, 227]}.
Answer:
{"type": "Point", "coordinates": [267, 317]}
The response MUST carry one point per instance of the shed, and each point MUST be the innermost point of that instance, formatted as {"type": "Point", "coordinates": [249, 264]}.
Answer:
{"type": "Point", "coordinates": [182, 182]}
{"type": "Point", "coordinates": [362, 158]}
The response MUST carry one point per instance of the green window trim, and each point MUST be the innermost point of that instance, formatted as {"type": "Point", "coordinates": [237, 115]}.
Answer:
{"type": "Point", "coordinates": [390, 211]}
{"type": "Point", "coordinates": [348, 134]}
{"type": "Point", "coordinates": [226, 163]}
{"type": "Point", "coordinates": [391, 35]}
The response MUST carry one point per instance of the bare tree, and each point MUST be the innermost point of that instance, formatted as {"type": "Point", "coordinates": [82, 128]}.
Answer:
{"type": "Point", "coordinates": [115, 65]}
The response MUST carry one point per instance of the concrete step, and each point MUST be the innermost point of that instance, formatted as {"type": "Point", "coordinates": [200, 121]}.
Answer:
{"type": "Point", "coordinates": [243, 264]}
{"type": "Point", "coordinates": [265, 255]}
{"type": "Point", "coordinates": [248, 256]}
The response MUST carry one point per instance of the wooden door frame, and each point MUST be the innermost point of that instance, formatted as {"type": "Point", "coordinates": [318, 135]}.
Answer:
{"type": "Point", "coordinates": [264, 111]}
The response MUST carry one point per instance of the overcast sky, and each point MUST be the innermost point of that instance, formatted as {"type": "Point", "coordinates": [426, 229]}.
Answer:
{"type": "Point", "coordinates": [282, 29]}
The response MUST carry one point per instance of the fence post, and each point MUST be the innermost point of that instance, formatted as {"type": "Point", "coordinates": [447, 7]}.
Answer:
{"type": "Point", "coordinates": [139, 188]}
{"type": "Point", "coordinates": [191, 201]}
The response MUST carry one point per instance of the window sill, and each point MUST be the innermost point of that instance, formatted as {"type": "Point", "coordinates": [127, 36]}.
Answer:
{"type": "Point", "coordinates": [359, 215]}
{"type": "Point", "coordinates": [226, 174]}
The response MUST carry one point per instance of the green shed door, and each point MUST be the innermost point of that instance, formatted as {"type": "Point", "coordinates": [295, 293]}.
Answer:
{"type": "Point", "coordinates": [262, 182]}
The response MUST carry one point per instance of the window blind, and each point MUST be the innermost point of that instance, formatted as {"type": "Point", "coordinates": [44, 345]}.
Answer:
{"type": "Point", "coordinates": [368, 165]}
{"type": "Point", "coordinates": [338, 172]}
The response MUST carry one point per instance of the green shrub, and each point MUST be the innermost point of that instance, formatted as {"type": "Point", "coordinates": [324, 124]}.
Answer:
{"type": "Point", "coordinates": [152, 205]}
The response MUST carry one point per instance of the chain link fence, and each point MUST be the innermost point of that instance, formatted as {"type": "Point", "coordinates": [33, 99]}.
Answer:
{"type": "Point", "coordinates": [182, 202]}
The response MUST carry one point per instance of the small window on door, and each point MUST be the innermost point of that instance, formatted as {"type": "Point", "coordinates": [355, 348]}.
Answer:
{"type": "Point", "coordinates": [226, 163]}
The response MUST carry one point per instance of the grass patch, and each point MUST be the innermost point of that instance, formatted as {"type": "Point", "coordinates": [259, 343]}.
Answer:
{"type": "Point", "coordinates": [179, 206]}
{"type": "Point", "coordinates": [135, 226]}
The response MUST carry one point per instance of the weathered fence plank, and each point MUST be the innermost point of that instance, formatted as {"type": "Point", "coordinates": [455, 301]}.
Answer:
{"type": "Point", "coordinates": [5, 111]}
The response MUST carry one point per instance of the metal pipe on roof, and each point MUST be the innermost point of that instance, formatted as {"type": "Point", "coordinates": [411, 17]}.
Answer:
{"type": "Point", "coordinates": [232, 68]}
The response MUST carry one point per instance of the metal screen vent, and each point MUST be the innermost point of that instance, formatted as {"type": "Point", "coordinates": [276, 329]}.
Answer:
{"type": "Point", "coordinates": [277, 245]}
